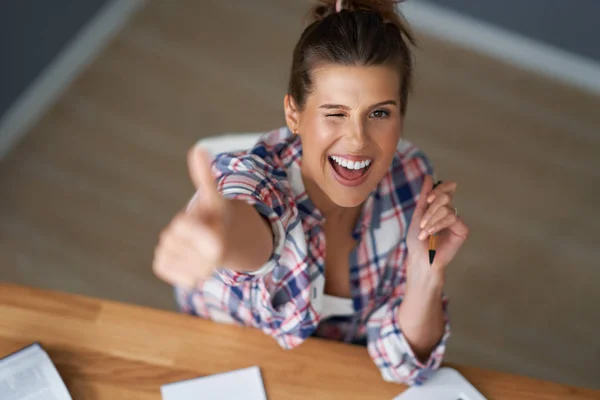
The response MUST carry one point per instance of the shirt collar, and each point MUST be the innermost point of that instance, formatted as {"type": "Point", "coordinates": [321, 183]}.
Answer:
{"type": "Point", "coordinates": [308, 211]}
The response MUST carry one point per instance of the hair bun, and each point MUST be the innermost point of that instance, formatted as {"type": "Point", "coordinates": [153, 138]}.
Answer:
{"type": "Point", "coordinates": [385, 8]}
{"type": "Point", "coordinates": [321, 9]}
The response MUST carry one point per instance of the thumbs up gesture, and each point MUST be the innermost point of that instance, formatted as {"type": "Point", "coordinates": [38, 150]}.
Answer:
{"type": "Point", "coordinates": [434, 214]}
{"type": "Point", "coordinates": [192, 246]}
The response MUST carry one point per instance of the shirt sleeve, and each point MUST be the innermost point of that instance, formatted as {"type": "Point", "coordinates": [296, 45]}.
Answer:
{"type": "Point", "coordinates": [390, 350]}
{"type": "Point", "coordinates": [386, 343]}
{"type": "Point", "coordinates": [249, 178]}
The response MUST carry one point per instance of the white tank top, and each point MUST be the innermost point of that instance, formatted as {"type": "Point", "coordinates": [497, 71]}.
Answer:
{"type": "Point", "coordinates": [339, 306]}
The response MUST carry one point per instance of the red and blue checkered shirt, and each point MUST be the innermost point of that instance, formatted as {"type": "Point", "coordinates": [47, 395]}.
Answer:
{"type": "Point", "coordinates": [284, 298]}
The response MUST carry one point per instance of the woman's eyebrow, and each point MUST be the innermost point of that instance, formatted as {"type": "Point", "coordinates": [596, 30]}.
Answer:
{"type": "Point", "coordinates": [331, 106]}
{"type": "Point", "coordinates": [385, 103]}
{"type": "Point", "coordinates": [343, 107]}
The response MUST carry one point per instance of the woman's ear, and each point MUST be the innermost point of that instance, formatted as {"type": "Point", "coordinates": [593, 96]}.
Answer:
{"type": "Point", "coordinates": [292, 115]}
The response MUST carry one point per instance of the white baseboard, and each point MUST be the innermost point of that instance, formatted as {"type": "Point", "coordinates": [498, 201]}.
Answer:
{"type": "Point", "coordinates": [49, 85]}
{"type": "Point", "coordinates": [514, 48]}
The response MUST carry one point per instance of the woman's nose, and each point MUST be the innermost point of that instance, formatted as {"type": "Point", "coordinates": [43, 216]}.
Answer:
{"type": "Point", "coordinates": [357, 136]}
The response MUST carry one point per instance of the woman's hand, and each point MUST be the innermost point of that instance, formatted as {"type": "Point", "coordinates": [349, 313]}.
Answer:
{"type": "Point", "coordinates": [421, 316]}
{"type": "Point", "coordinates": [434, 214]}
{"type": "Point", "coordinates": [192, 246]}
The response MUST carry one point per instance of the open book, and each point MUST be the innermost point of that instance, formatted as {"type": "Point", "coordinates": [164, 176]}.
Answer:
{"type": "Point", "coordinates": [29, 374]}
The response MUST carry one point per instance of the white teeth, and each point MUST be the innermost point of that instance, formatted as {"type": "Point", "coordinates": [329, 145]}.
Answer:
{"type": "Point", "coordinates": [355, 165]}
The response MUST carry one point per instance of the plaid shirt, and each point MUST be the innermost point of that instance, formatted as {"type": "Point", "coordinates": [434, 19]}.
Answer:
{"type": "Point", "coordinates": [284, 297]}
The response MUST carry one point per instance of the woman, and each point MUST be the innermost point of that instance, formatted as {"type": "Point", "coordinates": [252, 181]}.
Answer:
{"type": "Point", "coordinates": [321, 228]}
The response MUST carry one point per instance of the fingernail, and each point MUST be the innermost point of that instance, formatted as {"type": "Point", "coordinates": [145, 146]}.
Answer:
{"type": "Point", "coordinates": [431, 198]}
{"type": "Point", "coordinates": [422, 235]}
{"type": "Point", "coordinates": [423, 222]}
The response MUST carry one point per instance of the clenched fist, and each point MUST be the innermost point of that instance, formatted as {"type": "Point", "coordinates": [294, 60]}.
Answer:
{"type": "Point", "coordinates": [192, 246]}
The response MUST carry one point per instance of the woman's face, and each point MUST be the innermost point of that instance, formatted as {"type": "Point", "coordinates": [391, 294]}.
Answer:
{"type": "Point", "coordinates": [350, 128]}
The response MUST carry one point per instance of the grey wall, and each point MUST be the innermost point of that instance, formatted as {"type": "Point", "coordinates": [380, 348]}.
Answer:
{"type": "Point", "coordinates": [32, 32]}
{"type": "Point", "coordinates": [573, 25]}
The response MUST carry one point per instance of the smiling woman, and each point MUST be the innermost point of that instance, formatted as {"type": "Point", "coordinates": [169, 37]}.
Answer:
{"type": "Point", "coordinates": [352, 113]}
{"type": "Point", "coordinates": [319, 228]}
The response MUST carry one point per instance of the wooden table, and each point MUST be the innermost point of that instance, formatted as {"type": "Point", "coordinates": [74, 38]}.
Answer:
{"type": "Point", "coordinates": [108, 350]}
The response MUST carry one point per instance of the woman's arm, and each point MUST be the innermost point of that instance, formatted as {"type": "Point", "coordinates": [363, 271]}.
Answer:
{"type": "Point", "coordinates": [407, 335]}
{"type": "Point", "coordinates": [248, 238]}
{"type": "Point", "coordinates": [234, 225]}
{"type": "Point", "coordinates": [421, 317]}
{"type": "Point", "coordinates": [421, 313]}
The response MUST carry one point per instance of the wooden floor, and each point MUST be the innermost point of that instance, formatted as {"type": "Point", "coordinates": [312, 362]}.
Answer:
{"type": "Point", "coordinates": [85, 194]}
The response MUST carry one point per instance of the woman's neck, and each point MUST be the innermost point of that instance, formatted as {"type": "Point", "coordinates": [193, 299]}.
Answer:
{"type": "Point", "coordinates": [329, 210]}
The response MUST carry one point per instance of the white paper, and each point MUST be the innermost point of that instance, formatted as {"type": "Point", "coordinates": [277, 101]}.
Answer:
{"type": "Point", "coordinates": [30, 375]}
{"type": "Point", "coordinates": [446, 384]}
{"type": "Point", "coordinates": [244, 384]}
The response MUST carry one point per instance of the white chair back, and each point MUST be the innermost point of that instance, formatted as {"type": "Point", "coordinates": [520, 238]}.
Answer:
{"type": "Point", "coordinates": [229, 142]}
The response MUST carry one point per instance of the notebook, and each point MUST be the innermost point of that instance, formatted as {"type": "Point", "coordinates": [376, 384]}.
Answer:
{"type": "Point", "coordinates": [446, 384]}
{"type": "Point", "coordinates": [29, 374]}
{"type": "Point", "coordinates": [244, 384]}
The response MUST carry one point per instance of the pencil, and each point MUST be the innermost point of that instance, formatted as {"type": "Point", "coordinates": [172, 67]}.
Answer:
{"type": "Point", "coordinates": [433, 238]}
{"type": "Point", "coordinates": [432, 243]}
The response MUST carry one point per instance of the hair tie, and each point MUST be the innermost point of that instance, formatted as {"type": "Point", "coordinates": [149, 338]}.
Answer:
{"type": "Point", "coordinates": [338, 5]}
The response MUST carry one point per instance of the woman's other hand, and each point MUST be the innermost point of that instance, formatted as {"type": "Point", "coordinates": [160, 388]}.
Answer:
{"type": "Point", "coordinates": [434, 214]}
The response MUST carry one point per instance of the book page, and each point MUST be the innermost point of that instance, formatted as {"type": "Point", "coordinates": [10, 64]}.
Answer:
{"type": "Point", "coordinates": [241, 384]}
{"type": "Point", "coordinates": [29, 374]}
{"type": "Point", "coordinates": [446, 384]}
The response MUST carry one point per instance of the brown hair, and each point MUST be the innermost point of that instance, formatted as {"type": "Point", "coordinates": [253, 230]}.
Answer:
{"type": "Point", "coordinates": [364, 33]}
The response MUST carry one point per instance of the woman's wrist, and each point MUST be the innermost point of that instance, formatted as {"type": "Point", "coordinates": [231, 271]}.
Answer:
{"type": "Point", "coordinates": [425, 280]}
{"type": "Point", "coordinates": [420, 315]}
{"type": "Point", "coordinates": [424, 296]}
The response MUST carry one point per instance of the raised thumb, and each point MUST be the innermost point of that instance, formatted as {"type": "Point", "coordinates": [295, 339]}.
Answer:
{"type": "Point", "coordinates": [199, 166]}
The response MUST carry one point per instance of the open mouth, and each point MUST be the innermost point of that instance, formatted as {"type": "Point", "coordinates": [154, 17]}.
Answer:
{"type": "Point", "coordinates": [350, 172]}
